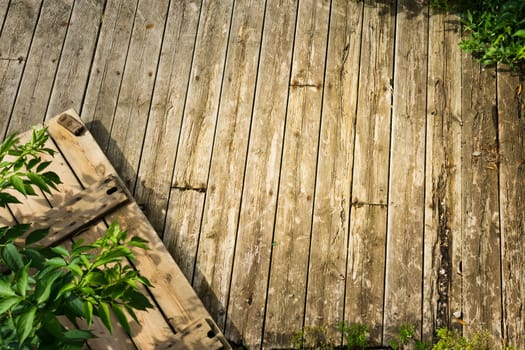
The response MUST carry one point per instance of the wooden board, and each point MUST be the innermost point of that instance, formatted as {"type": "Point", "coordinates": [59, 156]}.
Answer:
{"type": "Point", "coordinates": [221, 210]}
{"type": "Point", "coordinates": [325, 292]}
{"type": "Point", "coordinates": [76, 57]}
{"type": "Point", "coordinates": [366, 249]}
{"type": "Point", "coordinates": [404, 253]}
{"type": "Point", "coordinates": [293, 222]}
{"type": "Point", "coordinates": [443, 207]}
{"type": "Point", "coordinates": [102, 91]}
{"type": "Point", "coordinates": [15, 39]}
{"type": "Point", "coordinates": [481, 270]}
{"type": "Point", "coordinates": [165, 117]}
{"type": "Point", "coordinates": [246, 308]}
{"type": "Point", "coordinates": [511, 138]}
{"type": "Point", "coordinates": [42, 61]}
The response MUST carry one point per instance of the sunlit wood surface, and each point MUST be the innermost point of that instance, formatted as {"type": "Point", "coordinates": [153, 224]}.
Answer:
{"type": "Point", "coordinates": [304, 161]}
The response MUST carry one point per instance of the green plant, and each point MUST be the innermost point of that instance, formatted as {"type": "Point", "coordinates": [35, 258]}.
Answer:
{"type": "Point", "coordinates": [42, 287]}
{"type": "Point", "coordinates": [355, 334]}
{"type": "Point", "coordinates": [312, 337]}
{"type": "Point", "coordinates": [407, 334]}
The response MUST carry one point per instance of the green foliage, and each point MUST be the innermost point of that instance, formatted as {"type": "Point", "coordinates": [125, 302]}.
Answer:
{"type": "Point", "coordinates": [355, 334]}
{"type": "Point", "coordinates": [406, 334]}
{"type": "Point", "coordinates": [41, 286]}
{"type": "Point", "coordinates": [312, 337]}
{"type": "Point", "coordinates": [22, 168]}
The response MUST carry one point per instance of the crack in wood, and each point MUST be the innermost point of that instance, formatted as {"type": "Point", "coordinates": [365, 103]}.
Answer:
{"type": "Point", "coordinates": [189, 188]}
{"type": "Point", "coordinates": [443, 276]}
{"type": "Point", "coordinates": [359, 204]}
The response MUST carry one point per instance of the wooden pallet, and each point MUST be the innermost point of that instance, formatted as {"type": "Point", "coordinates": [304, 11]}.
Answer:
{"type": "Point", "coordinates": [92, 196]}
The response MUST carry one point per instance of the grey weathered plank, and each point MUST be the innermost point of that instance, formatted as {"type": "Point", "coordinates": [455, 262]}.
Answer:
{"type": "Point", "coordinates": [325, 293]}
{"type": "Point", "coordinates": [293, 223]}
{"type": "Point", "coordinates": [223, 197]}
{"type": "Point", "coordinates": [42, 61]}
{"type": "Point", "coordinates": [246, 309]}
{"type": "Point", "coordinates": [3, 12]}
{"type": "Point", "coordinates": [129, 123]}
{"type": "Point", "coordinates": [443, 207]}
{"type": "Point", "coordinates": [190, 174]}
{"type": "Point", "coordinates": [15, 40]}
{"type": "Point", "coordinates": [512, 205]}
{"type": "Point", "coordinates": [167, 106]}
{"type": "Point", "coordinates": [366, 255]}
{"type": "Point", "coordinates": [404, 254]}
{"type": "Point", "coordinates": [77, 56]}
{"type": "Point", "coordinates": [481, 237]}
{"type": "Point", "coordinates": [105, 79]}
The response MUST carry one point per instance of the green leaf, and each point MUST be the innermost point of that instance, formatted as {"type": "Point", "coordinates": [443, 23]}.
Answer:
{"type": "Point", "coordinates": [51, 179]}
{"type": "Point", "coordinates": [36, 235]}
{"type": "Point", "coordinates": [88, 312]}
{"type": "Point", "coordinates": [139, 243]}
{"type": "Point", "coordinates": [12, 257]}
{"type": "Point", "coordinates": [56, 262]}
{"type": "Point", "coordinates": [39, 181]}
{"type": "Point", "coordinates": [78, 334]}
{"type": "Point", "coordinates": [137, 300]}
{"type": "Point", "coordinates": [65, 288]}
{"type": "Point", "coordinates": [6, 198]}
{"type": "Point", "coordinates": [42, 166]}
{"type": "Point", "coordinates": [75, 269]}
{"type": "Point", "coordinates": [22, 281]}
{"type": "Point", "coordinates": [103, 313]}
{"type": "Point", "coordinates": [44, 285]}
{"type": "Point", "coordinates": [132, 313]}
{"type": "Point", "coordinates": [16, 231]}
{"type": "Point", "coordinates": [8, 303]}
{"type": "Point", "coordinates": [53, 326]}
{"type": "Point", "coordinates": [121, 317]}
{"type": "Point", "coordinates": [17, 182]}
{"type": "Point", "coordinates": [520, 33]}
{"type": "Point", "coordinates": [24, 324]}
{"type": "Point", "coordinates": [60, 250]}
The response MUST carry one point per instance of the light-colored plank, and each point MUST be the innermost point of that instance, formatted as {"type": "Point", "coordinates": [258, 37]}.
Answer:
{"type": "Point", "coordinates": [366, 249]}
{"type": "Point", "coordinates": [293, 225]}
{"type": "Point", "coordinates": [223, 197]}
{"type": "Point", "coordinates": [172, 292]}
{"type": "Point", "coordinates": [325, 293]}
{"type": "Point", "coordinates": [512, 205]}
{"type": "Point", "coordinates": [404, 255]}
{"type": "Point", "coordinates": [3, 12]}
{"type": "Point", "coordinates": [246, 308]}
{"type": "Point", "coordinates": [6, 219]}
{"type": "Point", "coordinates": [443, 207]}
{"type": "Point", "coordinates": [15, 40]}
{"type": "Point", "coordinates": [77, 55]}
{"type": "Point", "coordinates": [39, 73]}
{"type": "Point", "coordinates": [162, 134]}
{"type": "Point", "coordinates": [131, 115]}
{"type": "Point", "coordinates": [105, 78]}
{"type": "Point", "coordinates": [481, 269]}
{"type": "Point", "coordinates": [190, 175]}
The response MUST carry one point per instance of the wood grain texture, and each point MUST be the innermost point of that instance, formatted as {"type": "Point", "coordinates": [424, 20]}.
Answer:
{"type": "Point", "coordinates": [15, 39]}
{"type": "Point", "coordinates": [190, 175]}
{"type": "Point", "coordinates": [3, 12]}
{"type": "Point", "coordinates": [105, 79]}
{"type": "Point", "coordinates": [512, 205]}
{"type": "Point", "coordinates": [366, 249]}
{"type": "Point", "coordinates": [223, 197]}
{"type": "Point", "coordinates": [246, 310]}
{"type": "Point", "coordinates": [41, 66]}
{"type": "Point", "coordinates": [293, 223]}
{"type": "Point", "coordinates": [131, 115]}
{"type": "Point", "coordinates": [325, 296]}
{"type": "Point", "coordinates": [77, 55]}
{"type": "Point", "coordinates": [443, 207]}
{"type": "Point", "coordinates": [165, 117]}
{"type": "Point", "coordinates": [404, 254]}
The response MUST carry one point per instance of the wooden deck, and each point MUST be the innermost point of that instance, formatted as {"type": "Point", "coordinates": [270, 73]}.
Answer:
{"type": "Point", "coordinates": [305, 161]}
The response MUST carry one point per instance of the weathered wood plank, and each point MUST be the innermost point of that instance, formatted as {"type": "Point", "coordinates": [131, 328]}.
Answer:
{"type": "Point", "coordinates": [167, 106]}
{"type": "Point", "coordinates": [246, 308]}
{"type": "Point", "coordinates": [15, 39]}
{"type": "Point", "coordinates": [481, 238]}
{"type": "Point", "coordinates": [223, 197]}
{"type": "Point", "coordinates": [293, 223]}
{"type": "Point", "coordinates": [366, 249]}
{"type": "Point", "coordinates": [42, 61]}
{"type": "Point", "coordinates": [3, 12]}
{"type": "Point", "coordinates": [511, 112]}
{"type": "Point", "coordinates": [404, 255]}
{"type": "Point", "coordinates": [190, 175]}
{"type": "Point", "coordinates": [77, 55]}
{"type": "Point", "coordinates": [325, 292]}
{"type": "Point", "coordinates": [105, 78]}
{"type": "Point", "coordinates": [179, 303]}
{"type": "Point", "coordinates": [129, 123]}
{"type": "Point", "coordinates": [443, 207]}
